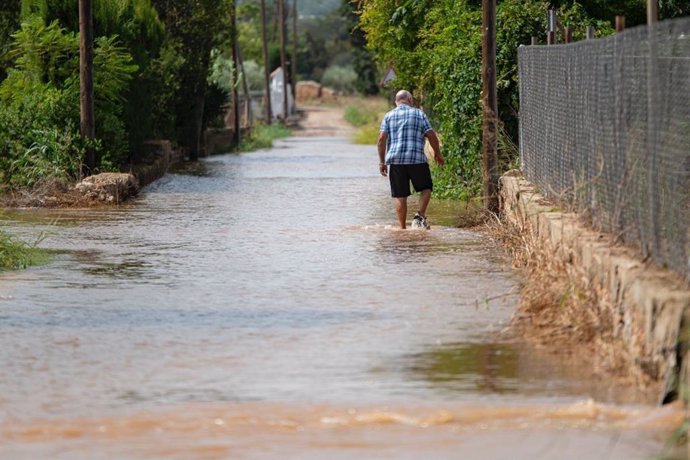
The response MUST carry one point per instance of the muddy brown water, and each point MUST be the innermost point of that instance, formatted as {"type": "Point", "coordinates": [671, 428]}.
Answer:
{"type": "Point", "coordinates": [262, 306]}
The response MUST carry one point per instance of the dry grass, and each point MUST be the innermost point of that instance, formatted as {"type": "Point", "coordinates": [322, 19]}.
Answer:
{"type": "Point", "coordinates": [58, 194]}
{"type": "Point", "coordinates": [561, 308]}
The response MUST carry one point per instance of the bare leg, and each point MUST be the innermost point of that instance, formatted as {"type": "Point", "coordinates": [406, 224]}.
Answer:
{"type": "Point", "coordinates": [424, 198]}
{"type": "Point", "coordinates": [401, 210]}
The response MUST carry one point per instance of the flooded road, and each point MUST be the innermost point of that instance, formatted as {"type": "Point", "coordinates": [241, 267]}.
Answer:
{"type": "Point", "coordinates": [262, 306]}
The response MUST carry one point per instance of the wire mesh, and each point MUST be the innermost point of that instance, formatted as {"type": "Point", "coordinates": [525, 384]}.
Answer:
{"type": "Point", "coordinates": [605, 126]}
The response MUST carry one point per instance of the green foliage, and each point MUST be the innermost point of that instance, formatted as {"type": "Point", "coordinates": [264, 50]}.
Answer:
{"type": "Point", "coordinates": [340, 78]}
{"type": "Point", "coordinates": [435, 47]}
{"type": "Point", "coordinates": [366, 114]}
{"type": "Point", "coordinates": [196, 28]}
{"type": "Point", "coordinates": [9, 23]}
{"type": "Point", "coordinates": [141, 33]}
{"type": "Point", "coordinates": [40, 105]}
{"type": "Point", "coordinates": [262, 137]}
{"type": "Point", "coordinates": [366, 111]}
{"type": "Point", "coordinates": [15, 254]}
{"type": "Point", "coordinates": [366, 135]}
{"type": "Point", "coordinates": [357, 116]}
{"type": "Point", "coordinates": [363, 59]}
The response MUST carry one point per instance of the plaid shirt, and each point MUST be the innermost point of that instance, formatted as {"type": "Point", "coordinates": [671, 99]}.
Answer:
{"type": "Point", "coordinates": [405, 127]}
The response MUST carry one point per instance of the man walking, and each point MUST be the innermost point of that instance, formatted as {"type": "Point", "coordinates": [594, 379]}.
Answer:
{"type": "Point", "coordinates": [401, 147]}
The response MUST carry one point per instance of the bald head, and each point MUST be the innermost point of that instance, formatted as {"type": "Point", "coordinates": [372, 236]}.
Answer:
{"type": "Point", "coordinates": [403, 97]}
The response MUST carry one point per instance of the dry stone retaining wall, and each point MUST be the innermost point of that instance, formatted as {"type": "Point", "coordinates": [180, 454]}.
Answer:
{"type": "Point", "coordinates": [650, 306]}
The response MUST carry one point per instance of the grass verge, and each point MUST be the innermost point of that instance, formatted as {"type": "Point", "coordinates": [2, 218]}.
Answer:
{"type": "Point", "coordinates": [262, 137]}
{"type": "Point", "coordinates": [15, 255]}
{"type": "Point", "coordinates": [366, 114]}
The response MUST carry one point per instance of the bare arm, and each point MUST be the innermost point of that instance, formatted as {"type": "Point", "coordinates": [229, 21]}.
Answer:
{"type": "Point", "coordinates": [381, 144]}
{"type": "Point", "coordinates": [435, 146]}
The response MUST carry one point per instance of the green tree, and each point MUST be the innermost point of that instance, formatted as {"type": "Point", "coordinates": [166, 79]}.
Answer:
{"type": "Point", "coordinates": [137, 27]}
{"type": "Point", "coordinates": [197, 28]}
{"type": "Point", "coordinates": [9, 23]}
{"type": "Point", "coordinates": [363, 59]}
{"type": "Point", "coordinates": [39, 139]}
{"type": "Point", "coordinates": [435, 47]}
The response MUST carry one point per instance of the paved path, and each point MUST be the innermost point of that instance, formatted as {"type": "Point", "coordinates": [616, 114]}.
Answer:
{"type": "Point", "coordinates": [323, 121]}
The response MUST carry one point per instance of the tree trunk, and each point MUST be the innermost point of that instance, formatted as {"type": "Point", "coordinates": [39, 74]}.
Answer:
{"type": "Point", "coordinates": [87, 122]}
{"type": "Point", "coordinates": [490, 131]}
{"type": "Point", "coordinates": [293, 63]}
{"type": "Point", "coordinates": [267, 70]}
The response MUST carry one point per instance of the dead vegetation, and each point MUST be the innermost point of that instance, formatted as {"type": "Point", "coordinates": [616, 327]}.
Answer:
{"type": "Point", "coordinates": [97, 190]}
{"type": "Point", "coordinates": [561, 309]}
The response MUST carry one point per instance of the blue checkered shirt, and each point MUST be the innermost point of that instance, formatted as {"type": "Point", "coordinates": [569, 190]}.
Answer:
{"type": "Point", "coordinates": [405, 127]}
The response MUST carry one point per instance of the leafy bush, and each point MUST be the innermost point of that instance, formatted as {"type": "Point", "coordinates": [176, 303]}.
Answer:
{"type": "Point", "coordinates": [40, 105]}
{"type": "Point", "coordinates": [140, 32]}
{"type": "Point", "coordinates": [366, 114]}
{"type": "Point", "coordinates": [340, 78]}
{"type": "Point", "coordinates": [15, 254]}
{"type": "Point", "coordinates": [262, 137]}
{"type": "Point", "coordinates": [435, 47]}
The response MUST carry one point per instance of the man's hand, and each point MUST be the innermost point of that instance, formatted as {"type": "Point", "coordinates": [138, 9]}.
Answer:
{"type": "Point", "coordinates": [383, 169]}
{"type": "Point", "coordinates": [438, 158]}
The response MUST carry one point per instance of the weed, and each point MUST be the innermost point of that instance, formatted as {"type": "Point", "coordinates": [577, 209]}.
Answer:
{"type": "Point", "coordinates": [262, 137]}
{"type": "Point", "coordinates": [15, 254]}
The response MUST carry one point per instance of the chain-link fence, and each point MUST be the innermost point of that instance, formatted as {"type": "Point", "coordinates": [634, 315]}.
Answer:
{"type": "Point", "coordinates": [605, 125]}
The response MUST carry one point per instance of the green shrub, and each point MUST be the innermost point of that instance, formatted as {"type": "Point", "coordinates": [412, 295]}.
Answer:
{"type": "Point", "coordinates": [262, 137]}
{"type": "Point", "coordinates": [435, 48]}
{"type": "Point", "coordinates": [367, 135]}
{"type": "Point", "coordinates": [15, 254]}
{"type": "Point", "coordinates": [39, 111]}
{"type": "Point", "coordinates": [340, 78]}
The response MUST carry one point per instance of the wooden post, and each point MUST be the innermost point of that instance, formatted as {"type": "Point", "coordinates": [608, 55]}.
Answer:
{"type": "Point", "coordinates": [293, 64]}
{"type": "Point", "coordinates": [568, 35]}
{"type": "Point", "coordinates": [267, 70]}
{"type": "Point", "coordinates": [534, 41]}
{"type": "Point", "coordinates": [620, 24]}
{"type": "Point", "coordinates": [490, 107]}
{"type": "Point", "coordinates": [248, 115]}
{"type": "Point", "coordinates": [550, 38]}
{"type": "Point", "coordinates": [235, 73]}
{"type": "Point", "coordinates": [281, 32]}
{"type": "Point", "coordinates": [87, 124]}
{"type": "Point", "coordinates": [590, 33]}
{"type": "Point", "coordinates": [652, 11]}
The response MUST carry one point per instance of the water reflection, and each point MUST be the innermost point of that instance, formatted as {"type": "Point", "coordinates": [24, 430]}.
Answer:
{"type": "Point", "coordinates": [471, 367]}
{"type": "Point", "coordinates": [271, 277]}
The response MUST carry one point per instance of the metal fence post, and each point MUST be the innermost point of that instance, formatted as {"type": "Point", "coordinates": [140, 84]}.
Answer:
{"type": "Point", "coordinates": [652, 130]}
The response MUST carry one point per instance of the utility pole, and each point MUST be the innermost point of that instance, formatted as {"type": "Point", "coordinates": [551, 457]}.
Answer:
{"type": "Point", "coordinates": [293, 65]}
{"type": "Point", "coordinates": [235, 66]}
{"type": "Point", "coordinates": [87, 124]}
{"type": "Point", "coordinates": [490, 107]}
{"type": "Point", "coordinates": [281, 30]}
{"type": "Point", "coordinates": [267, 70]}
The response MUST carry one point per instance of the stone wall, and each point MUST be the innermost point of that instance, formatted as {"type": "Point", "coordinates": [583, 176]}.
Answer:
{"type": "Point", "coordinates": [650, 306]}
{"type": "Point", "coordinates": [156, 156]}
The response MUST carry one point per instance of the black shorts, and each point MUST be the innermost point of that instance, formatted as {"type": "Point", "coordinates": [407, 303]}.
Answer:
{"type": "Point", "coordinates": [401, 175]}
